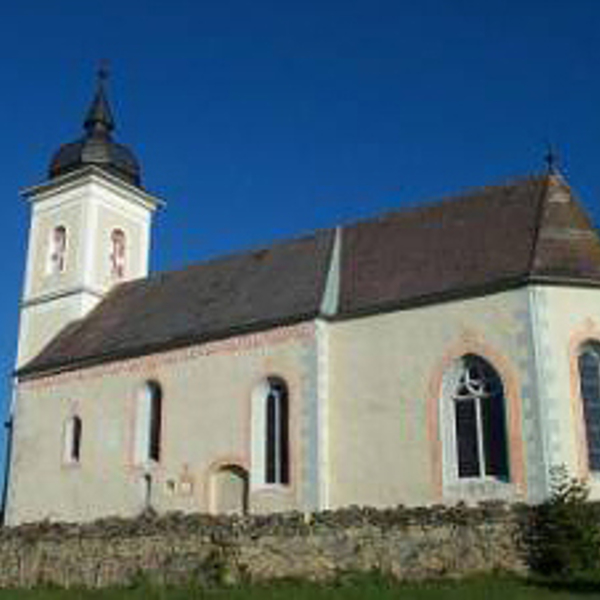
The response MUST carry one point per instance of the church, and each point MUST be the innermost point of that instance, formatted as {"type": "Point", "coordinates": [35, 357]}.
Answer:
{"type": "Point", "coordinates": [450, 352]}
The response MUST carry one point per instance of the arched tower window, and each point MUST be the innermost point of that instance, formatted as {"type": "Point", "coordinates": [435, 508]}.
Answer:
{"type": "Point", "coordinates": [57, 250]}
{"type": "Point", "coordinates": [589, 378]}
{"type": "Point", "coordinates": [72, 446]}
{"type": "Point", "coordinates": [479, 427]}
{"type": "Point", "coordinates": [117, 253]}
{"type": "Point", "coordinates": [270, 433]}
{"type": "Point", "coordinates": [149, 423]}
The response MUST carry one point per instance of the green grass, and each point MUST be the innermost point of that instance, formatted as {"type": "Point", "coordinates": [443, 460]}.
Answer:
{"type": "Point", "coordinates": [351, 588]}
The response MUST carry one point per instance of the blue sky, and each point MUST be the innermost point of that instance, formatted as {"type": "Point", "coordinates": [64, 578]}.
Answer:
{"type": "Point", "coordinates": [260, 120]}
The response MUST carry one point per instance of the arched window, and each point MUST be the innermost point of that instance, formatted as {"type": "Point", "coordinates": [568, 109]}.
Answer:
{"type": "Point", "coordinates": [276, 434]}
{"type": "Point", "coordinates": [57, 249]}
{"type": "Point", "coordinates": [72, 446]}
{"type": "Point", "coordinates": [479, 426]}
{"type": "Point", "coordinates": [589, 378]}
{"type": "Point", "coordinates": [270, 433]}
{"type": "Point", "coordinates": [117, 253]}
{"type": "Point", "coordinates": [149, 421]}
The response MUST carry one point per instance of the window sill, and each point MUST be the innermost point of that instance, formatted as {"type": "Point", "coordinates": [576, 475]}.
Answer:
{"type": "Point", "coordinates": [271, 487]}
{"type": "Point", "coordinates": [475, 489]}
{"type": "Point", "coordinates": [482, 479]}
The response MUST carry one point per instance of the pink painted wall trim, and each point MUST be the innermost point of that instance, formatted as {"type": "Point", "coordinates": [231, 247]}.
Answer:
{"type": "Point", "coordinates": [472, 342]}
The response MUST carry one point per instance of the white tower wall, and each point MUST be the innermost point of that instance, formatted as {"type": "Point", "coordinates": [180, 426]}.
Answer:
{"type": "Point", "coordinates": [89, 204]}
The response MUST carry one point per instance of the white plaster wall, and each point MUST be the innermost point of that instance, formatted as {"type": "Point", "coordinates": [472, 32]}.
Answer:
{"type": "Point", "coordinates": [42, 322]}
{"type": "Point", "coordinates": [565, 318]}
{"type": "Point", "coordinates": [365, 415]}
{"type": "Point", "coordinates": [384, 386]}
{"type": "Point", "coordinates": [89, 206]}
{"type": "Point", "coordinates": [89, 212]}
{"type": "Point", "coordinates": [116, 213]}
{"type": "Point", "coordinates": [72, 214]}
{"type": "Point", "coordinates": [206, 424]}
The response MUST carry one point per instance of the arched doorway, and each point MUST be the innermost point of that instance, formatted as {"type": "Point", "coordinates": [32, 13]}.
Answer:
{"type": "Point", "coordinates": [229, 490]}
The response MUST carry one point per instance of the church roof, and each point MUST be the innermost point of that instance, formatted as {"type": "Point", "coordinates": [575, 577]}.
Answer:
{"type": "Point", "coordinates": [495, 238]}
{"type": "Point", "coordinates": [273, 286]}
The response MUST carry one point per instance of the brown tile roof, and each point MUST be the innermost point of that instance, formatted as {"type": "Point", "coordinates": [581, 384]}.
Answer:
{"type": "Point", "coordinates": [489, 239]}
{"type": "Point", "coordinates": [257, 290]}
{"type": "Point", "coordinates": [567, 245]}
{"type": "Point", "coordinates": [493, 237]}
{"type": "Point", "coordinates": [441, 248]}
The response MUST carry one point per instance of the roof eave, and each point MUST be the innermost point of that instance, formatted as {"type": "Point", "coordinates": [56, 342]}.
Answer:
{"type": "Point", "coordinates": [466, 293]}
{"type": "Point", "coordinates": [85, 174]}
{"type": "Point", "coordinates": [509, 283]}
{"type": "Point", "coordinates": [26, 372]}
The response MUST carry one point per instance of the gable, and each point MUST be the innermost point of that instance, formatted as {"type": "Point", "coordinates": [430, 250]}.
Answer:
{"type": "Point", "coordinates": [567, 245]}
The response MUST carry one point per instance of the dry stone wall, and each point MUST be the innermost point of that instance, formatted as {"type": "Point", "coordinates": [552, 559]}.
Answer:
{"type": "Point", "coordinates": [179, 549]}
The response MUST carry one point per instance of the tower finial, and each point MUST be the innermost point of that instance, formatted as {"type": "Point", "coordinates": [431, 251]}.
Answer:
{"type": "Point", "coordinates": [552, 160]}
{"type": "Point", "coordinates": [96, 146]}
{"type": "Point", "coordinates": [103, 70]}
{"type": "Point", "coordinates": [99, 120]}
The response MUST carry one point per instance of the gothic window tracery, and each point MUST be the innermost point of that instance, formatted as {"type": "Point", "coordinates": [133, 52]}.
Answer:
{"type": "Point", "coordinates": [479, 421]}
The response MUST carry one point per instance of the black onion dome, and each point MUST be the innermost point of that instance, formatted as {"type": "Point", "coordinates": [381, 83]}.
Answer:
{"type": "Point", "coordinates": [97, 147]}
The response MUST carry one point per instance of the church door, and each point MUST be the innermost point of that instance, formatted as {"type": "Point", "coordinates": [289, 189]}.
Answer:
{"type": "Point", "coordinates": [230, 490]}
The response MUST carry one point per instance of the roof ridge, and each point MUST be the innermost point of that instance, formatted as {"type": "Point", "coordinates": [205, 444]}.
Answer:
{"type": "Point", "coordinates": [545, 189]}
{"type": "Point", "coordinates": [467, 194]}
{"type": "Point", "coordinates": [215, 260]}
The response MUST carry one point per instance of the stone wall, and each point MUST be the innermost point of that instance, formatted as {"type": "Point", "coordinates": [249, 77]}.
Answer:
{"type": "Point", "coordinates": [178, 548]}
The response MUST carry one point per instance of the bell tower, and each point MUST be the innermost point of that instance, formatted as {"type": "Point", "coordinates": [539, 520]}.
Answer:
{"type": "Point", "coordinates": [89, 230]}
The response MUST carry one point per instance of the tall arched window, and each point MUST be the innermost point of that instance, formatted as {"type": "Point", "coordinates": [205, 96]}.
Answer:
{"type": "Point", "coordinates": [117, 253]}
{"type": "Point", "coordinates": [479, 420]}
{"type": "Point", "coordinates": [276, 434]}
{"type": "Point", "coordinates": [149, 422]}
{"type": "Point", "coordinates": [72, 445]}
{"type": "Point", "coordinates": [589, 378]}
{"type": "Point", "coordinates": [57, 249]}
{"type": "Point", "coordinates": [270, 433]}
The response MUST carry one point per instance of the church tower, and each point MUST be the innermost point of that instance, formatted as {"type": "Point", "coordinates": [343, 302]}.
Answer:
{"type": "Point", "coordinates": [90, 229]}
